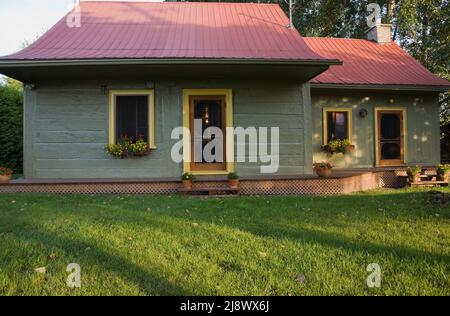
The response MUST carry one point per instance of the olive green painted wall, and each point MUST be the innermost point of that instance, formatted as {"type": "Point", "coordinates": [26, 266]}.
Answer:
{"type": "Point", "coordinates": [422, 125]}
{"type": "Point", "coordinates": [66, 127]}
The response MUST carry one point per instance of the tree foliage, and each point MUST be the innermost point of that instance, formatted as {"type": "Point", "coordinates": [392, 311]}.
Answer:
{"type": "Point", "coordinates": [11, 112]}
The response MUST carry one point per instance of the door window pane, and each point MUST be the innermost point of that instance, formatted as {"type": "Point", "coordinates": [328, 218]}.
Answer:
{"type": "Point", "coordinates": [390, 126]}
{"type": "Point", "coordinates": [210, 113]}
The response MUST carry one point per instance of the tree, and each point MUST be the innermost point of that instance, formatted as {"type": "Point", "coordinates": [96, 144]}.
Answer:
{"type": "Point", "coordinates": [11, 112]}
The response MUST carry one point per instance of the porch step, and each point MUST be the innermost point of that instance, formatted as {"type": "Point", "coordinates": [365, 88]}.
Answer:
{"type": "Point", "coordinates": [219, 191]}
{"type": "Point", "coordinates": [428, 183]}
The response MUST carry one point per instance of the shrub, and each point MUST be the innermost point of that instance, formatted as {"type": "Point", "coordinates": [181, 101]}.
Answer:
{"type": "Point", "coordinates": [11, 127]}
{"type": "Point", "coordinates": [5, 171]}
{"type": "Point", "coordinates": [413, 171]}
{"type": "Point", "coordinates": [233, 176]}
{"type": "Point", "coordinates": [443, 169]}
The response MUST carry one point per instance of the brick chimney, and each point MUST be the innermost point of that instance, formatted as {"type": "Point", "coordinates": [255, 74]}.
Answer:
{"type": "Point", "coordinates": [380, 33]}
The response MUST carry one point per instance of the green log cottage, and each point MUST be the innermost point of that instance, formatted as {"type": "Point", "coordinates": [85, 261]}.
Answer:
{"type": "Point", "coordinates": [144, 69]}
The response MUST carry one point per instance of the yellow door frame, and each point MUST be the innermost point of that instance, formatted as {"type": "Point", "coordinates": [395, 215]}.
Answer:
{"type": "Point", "coordinates": [228, 93]}
{"type": "Point", "coordinates": [404, 138]}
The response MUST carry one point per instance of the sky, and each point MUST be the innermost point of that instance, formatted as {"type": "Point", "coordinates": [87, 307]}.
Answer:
{"type": "Point", "coordinates": [25, 20]}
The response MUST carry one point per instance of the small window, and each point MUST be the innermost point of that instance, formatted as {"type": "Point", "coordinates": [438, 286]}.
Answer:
{"type": "Point", "coordinates": [337, 124]}
{"type": "Point", "coordinates": [132, 117]}
{"type": "Point", "coordinates": [131, 114]}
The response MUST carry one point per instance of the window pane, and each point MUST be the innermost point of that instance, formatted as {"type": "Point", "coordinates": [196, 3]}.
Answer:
{"type": "Point", "coordinates": [142, 115]}
{"type": "Point", "coordinates": [337, 125]}
{"type": "Point", "coordinates": [390, 151]}
{"type": "Point", "coordinates": [390, 126]}
{"type": "Point", "coordinates": [340, 131]}
{"type": "Point", "coordinates": [132, 117]}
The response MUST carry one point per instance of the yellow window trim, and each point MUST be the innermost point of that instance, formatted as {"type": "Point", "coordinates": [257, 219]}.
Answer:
{"type": "Point", "coordinates": [325, 122]}
{"type": "Point", "coordinates": [405, 132]}
{"type": "Point", "coordinates": [151, 113]}
{"type": "Point", "coordinates": [228, 93]}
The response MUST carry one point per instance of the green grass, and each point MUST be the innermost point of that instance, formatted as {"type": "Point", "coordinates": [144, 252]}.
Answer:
{"type": "Point", "coordinates": [144, 245]}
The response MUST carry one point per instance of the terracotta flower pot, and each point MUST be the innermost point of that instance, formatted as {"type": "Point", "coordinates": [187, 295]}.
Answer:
{"type": "Point", "coordinates": [324, 173]}
{"type": "Point", "coordinates": [414, 179]}
{"type": "Point", "coordinates": [351, 148]}
{"type": "Point", "coordinates": [234, 183]}
{"type": "Point", "coordinates": [187, 184]}
{"type": "Point", "coordinates": [5, 179]}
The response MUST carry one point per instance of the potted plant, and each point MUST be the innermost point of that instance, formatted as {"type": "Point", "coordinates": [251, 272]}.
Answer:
{"type": "Point", "coordinates": [443, 172]}
{"type": "Point", "coordinates": [233, 178]}
{"type": "Point", "coordinates": [336, 146]}
{"type": "Point", "coordinates": [323, 169]}
{"type": "Point", "coordinates": [5, 175]}
{"type": "Point", "coordinates": [139, 148]}
{"type": "Point", "coordinates": [414, 174]}
{"type": "Point", "coordinates": [125, 147]}
{"type": "Point", "coordinates": [187, 179]}
{"type": "Point", "coordinates": [121, 149]}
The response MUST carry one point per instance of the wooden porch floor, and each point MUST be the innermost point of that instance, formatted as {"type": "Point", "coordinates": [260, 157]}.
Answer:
{"type": "Point", "coordinates": [338, 174]}
{"type": "Point", "coordinates": [342, 182]}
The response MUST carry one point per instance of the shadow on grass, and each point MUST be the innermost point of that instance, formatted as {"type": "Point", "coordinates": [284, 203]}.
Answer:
{"type": "Point", "coordinates": [270, 221]}
{"type": "Point", "coordinates": [272, 225]}
{"type": "Point", "coordinates": [150, 282]}
{"type": "Point", "coordinates": [265, 226]}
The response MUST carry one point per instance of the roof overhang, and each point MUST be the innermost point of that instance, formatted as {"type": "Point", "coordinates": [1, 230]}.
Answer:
{"type": "Point", "coordinates": [35, 70]}
{"type": "Point", "coordinates": [378, 87]}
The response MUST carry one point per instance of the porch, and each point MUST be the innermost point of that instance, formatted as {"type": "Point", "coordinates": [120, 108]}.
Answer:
{"type": "Point", "coordinates": [342, 182]}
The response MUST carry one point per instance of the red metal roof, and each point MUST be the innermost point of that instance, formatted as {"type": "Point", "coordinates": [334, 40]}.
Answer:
{"type": "Point", "coordinates": [249, 31]}
{"type": "Point", "coordinates": [369, 63]}
{"type": "Point", "coordinates": [172, 30]}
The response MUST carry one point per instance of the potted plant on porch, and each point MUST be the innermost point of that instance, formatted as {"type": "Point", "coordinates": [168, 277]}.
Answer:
{"type": "Point", "coordinates": [323, 169]}
{"type": "Point", "coordinates": [5, 175]}
{"type": "Point", "coordinates": [414, 174]}
{"type": "Point", "coordinates": [443, 172]}
{"type": "Point", "coordinates": [233, 178]}
{"type": "Point", "coordinates": [187, 180]}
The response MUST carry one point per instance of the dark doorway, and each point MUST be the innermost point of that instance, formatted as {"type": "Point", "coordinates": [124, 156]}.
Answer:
{"type": "Point", "coordinates": [390, 138]}
{"type": "Point", "coordinates": [210, 110]}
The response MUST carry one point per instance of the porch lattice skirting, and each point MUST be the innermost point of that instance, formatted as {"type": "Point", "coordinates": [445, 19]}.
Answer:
{"type": "Point", "coordinates": [340, 184]}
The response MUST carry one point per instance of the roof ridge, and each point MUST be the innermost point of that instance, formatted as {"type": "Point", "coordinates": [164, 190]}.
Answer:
{"type": "Point", "coordinates": [150, 30]}
{"type": "Point", "coordinates": [342, 38]}
{"type": "Point", "coordinates": [179, 3]}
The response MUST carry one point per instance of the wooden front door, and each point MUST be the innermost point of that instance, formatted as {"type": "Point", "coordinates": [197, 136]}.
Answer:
{"type": "Point", "coordinates": [390, 138]}
{"type": "Point", "coordinates": [211, 111]}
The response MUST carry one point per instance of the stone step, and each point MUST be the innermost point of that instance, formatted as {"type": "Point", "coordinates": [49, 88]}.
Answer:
{"type": "Point", "coordinates": [429, 183]}
{"type": "Point", "coordinates": [213, 191]}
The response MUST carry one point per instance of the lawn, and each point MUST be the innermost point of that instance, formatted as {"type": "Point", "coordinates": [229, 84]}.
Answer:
{"type": "Point", "coordinates": [172, 245]}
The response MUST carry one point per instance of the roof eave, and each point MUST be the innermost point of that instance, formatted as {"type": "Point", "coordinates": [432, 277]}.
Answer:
{"type": "Point", "coordinates": [162, 61]}
{"type": "Point", "coordinates": [391, 87]}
